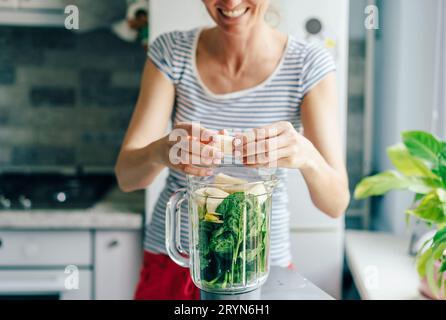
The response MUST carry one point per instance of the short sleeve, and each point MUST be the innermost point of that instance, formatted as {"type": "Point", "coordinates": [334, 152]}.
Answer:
{"type": "Point", "coordinates": [318, 62]}
{"type": "Point", "coordinates": [162, 52]}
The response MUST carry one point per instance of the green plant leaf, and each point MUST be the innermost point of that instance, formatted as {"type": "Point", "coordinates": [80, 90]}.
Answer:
{"type": "Point", "coordinates": [380, 184]}
{"type": "Point", "coordinates": [407, 164]}
{"type": "Point", "coordinates": [417, 197]}
{"type": "Point", "coordinates": [423, 185]}
{"type": "Point", "coordinates": [390, 180]}
{"type": "Point", "coordinates": [440, 171]}
{"type": "Point", "coordinates": [422, 260]}
{"type": "Point", "coordinates": [440, 236]}
{"type": "Point", "coordinates": [439, 250]}
{"type": "Point", "coordinates": [423, 145]}
{"type": "Point", "coordinates": [443, 267]}
{"type": "Point", "coordinates": [430, 276]}
{"type": "Point", "coordinates": [407, 220]}
{"type": "Point", "coordinates": [432, 207]}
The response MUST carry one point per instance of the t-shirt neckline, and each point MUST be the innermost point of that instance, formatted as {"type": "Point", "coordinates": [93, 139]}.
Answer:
{"type": "Point", "coordinates": [235, 94]}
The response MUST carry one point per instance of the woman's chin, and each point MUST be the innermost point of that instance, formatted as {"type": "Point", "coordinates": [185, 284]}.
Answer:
{"type": "Point", "coordinates": [236, 29]}
{"type": "Point", "coordinates": [234, 25]}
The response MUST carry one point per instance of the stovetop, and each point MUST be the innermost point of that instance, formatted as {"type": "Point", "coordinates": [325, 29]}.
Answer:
{"type": "Point", "coordinates": [52, 191]}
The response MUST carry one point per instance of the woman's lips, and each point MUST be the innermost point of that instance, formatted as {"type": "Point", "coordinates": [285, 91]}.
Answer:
{"type": "Point", "coordinates": [233, 14]}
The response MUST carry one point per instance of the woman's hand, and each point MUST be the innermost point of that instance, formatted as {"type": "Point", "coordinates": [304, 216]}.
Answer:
{"type": "Point", "coordinates": [190, 149]}
{"type": "Point", "coordinates": [275, 145]}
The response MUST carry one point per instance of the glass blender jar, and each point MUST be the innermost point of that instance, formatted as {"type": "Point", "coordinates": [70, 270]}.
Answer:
{"type": "Point", "coordinates": [229, 230]}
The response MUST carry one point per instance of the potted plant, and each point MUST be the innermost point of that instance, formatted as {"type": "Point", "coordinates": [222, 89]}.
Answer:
{"type": "Point", "coordinates": [420, 163]}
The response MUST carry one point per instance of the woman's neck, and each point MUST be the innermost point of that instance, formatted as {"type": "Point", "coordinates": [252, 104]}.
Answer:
{"type": "Point", "coordinates": [231, 50]}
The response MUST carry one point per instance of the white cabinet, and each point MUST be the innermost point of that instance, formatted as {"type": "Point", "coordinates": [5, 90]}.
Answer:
{"type": "Point", "coordinates": [318, 257]}
{"type": "Point", "coordinates": [117, 263]}
{"type": "Point", "coordinates": [85, 289]}
{"type": "Point", "coordinates": [45, 283]}
{"type": "Point", "coordinates": [45, 248]}
{"type": "Point", "coordinates": [38, 262]}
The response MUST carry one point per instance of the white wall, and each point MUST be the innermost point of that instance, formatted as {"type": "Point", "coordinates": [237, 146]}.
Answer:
{"type": "Point", "coordinates": [404, 82]}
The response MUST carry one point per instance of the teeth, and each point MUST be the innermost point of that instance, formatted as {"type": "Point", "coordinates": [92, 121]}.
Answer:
{"type": "Point", "coordinates": [233, 13]}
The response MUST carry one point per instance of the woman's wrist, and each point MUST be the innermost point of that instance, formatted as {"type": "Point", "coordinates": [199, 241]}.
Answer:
{"type": "Point", "coordinates": [315, 162]}
{"type": "Point", "coordinates": [155, 152]}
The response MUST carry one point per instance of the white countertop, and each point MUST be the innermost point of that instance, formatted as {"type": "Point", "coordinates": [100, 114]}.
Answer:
{"type": "Point", "coordinates": [117, 210]}
{"type": "Point", "coordinates": [381, 266]}
{"type": "Point", "coordinates": [282, 284]}
{"type": "Point", "coordinates": [287, 284]}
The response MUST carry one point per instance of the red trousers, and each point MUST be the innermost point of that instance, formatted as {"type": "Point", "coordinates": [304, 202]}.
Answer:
{"type": "Point", "coordinates": [163, 279]}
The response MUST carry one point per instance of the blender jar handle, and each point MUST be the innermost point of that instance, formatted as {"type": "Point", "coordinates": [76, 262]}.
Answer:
{"type": "Point", "coordinates": [173, 224]}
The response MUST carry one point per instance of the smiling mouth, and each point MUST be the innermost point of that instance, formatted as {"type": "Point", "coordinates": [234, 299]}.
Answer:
{"type": "Point", "coordinates": [233, 14]}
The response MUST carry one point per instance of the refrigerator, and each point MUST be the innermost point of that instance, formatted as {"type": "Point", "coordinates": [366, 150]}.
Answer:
{"type": "Point", "coordinates": [316, 240]}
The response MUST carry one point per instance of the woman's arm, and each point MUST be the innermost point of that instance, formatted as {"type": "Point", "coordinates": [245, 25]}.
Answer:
{"type": "Point", "coordinates": [146, 149]}
{"type": "Point", "coordinates": [326, 175]}
{"type": "Point", "coordinates": [317, 153]}
{"type": "Point", "coordinates": [138, 162]}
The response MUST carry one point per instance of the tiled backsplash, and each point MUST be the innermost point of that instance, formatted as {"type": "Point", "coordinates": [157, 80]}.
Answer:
{"type": "Point", "coordinates": [65, 98]}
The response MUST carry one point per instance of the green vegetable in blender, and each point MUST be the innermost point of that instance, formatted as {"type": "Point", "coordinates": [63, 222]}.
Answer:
{"type": "Point", "coordinates": [233, 249]}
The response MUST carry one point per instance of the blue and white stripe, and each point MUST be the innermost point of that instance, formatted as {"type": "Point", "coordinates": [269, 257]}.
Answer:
{"type": "Point", "coordinates": [278, 98]}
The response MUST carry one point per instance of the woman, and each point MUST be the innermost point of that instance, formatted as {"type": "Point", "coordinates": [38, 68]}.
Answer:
{"type": "Point", "coordinates": [239, 74]}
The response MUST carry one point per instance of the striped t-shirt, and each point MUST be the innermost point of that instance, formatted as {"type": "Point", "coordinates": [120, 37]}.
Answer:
{"type": "Point", "coordinates": [278, 98]}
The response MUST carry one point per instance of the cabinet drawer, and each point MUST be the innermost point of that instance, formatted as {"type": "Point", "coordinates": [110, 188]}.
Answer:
{"type": "Point", "coordinates": [45, 248]}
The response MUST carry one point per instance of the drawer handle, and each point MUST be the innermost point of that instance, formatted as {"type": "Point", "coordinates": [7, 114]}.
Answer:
{"type": "Point", "coordinates": [1, 243]}
{"type": "Point", "coordinates": [113, 244]}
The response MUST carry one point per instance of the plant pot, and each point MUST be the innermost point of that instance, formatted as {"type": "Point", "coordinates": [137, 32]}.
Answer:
{"type": "Point", "coordinates": [427, 292]}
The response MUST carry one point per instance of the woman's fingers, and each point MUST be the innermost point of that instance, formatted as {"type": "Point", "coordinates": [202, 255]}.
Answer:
{"type": "Point", "coordinates": [267, 145]}
{"type": "Point", "coordinates": [266, 132]}
{"type": "Point", "coordinates": [195, 142]}
{"type": "Point", "coordinates": [269, 159]}
{"type": "Point", "coordinates": [178, 155]}
{"type": "Point", "coordinates": [265, 139]}
{"type": "Point", "coordinates": [198, 148]}
{"type": "Point", "coordinates": [192, 129]}
{"type": "Point", "coordinates": [184, 163]}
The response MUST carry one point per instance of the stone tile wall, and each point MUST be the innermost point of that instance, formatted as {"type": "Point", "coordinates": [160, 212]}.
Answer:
{"type": "Point", "coordinates": [65, 98]}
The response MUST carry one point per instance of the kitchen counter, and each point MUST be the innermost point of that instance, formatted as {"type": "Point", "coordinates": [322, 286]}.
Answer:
{"type": "Point", "coordinates": [287, 284]}
{"type": "Point", "coordinates": [381, 267]}
{"type": "Point", "coordinates": [117, 210]}
{"type": "Point", "coordinates": [282, 284]}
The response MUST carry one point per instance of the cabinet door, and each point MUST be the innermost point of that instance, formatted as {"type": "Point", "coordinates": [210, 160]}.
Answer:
{"type": "Point", "coordinates": [117, 264]}
{"type": "Point", "coordinates": [318, 256]}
